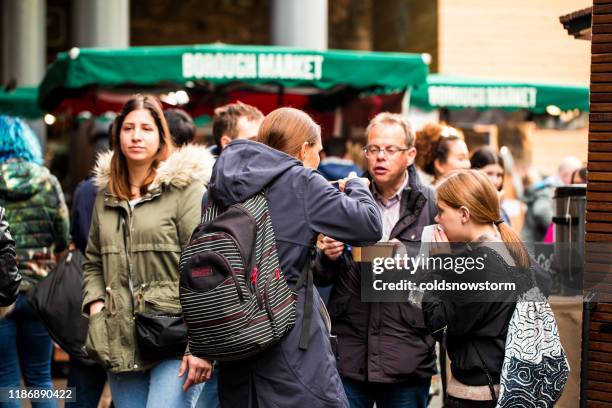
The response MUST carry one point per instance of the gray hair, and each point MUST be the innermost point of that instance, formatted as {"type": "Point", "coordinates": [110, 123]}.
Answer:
{"type": "Point", "coordinates": [388, 118]}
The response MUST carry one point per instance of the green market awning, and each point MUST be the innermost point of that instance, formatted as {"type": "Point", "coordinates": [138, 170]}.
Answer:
{"type": "Point", "coordinates": [456, 92]}
{"type": "Point", "coordinates": [21, 102]}
{"type": "Point", "coordinates": [222, 64]}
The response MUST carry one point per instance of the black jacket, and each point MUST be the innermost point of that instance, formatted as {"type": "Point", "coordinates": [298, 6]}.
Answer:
{"type": "Point", "coordinates": [475, 323]}
{"type": "Point", "coordinates": [83, 202]}
{"type": "Point", "coordinates": [381, 342]}
{"type": "Point", "coordinates": [9, 275]}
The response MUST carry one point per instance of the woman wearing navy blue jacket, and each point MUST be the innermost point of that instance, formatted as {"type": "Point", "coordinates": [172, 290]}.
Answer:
{"type": "Point", "coordinates": [302, 204]}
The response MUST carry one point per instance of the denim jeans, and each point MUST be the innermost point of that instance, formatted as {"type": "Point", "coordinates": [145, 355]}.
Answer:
{"type": "Point", "coordinates": [25, 350]}
{"type": "Point", "coordinates": [159, 387]}
{"type": "Point", "coordinates": [210, 397]}
{"type": "Point", "coordinates": [362, 394]}
{"type": "Point", "coordinates": [88, 381]}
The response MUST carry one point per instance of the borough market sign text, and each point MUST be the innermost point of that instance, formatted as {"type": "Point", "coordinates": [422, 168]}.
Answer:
{"type": "Point", "coordinates": [485, 97]}
{"type": "Point", "coordinates": [240, 65]}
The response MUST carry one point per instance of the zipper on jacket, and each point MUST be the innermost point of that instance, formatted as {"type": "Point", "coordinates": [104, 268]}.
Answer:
{"type": "Point", "coordinates": [127, 244]}
{"type": "Point", "coordinates": [127, 239]}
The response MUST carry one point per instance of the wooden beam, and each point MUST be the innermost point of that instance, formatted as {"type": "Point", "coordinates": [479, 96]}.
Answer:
{"type": "Point", "coordinates": [599, 156]}
{"type": "Point", "coordinates": [600, 176]}
{"type": "Point", "coordinates": [601, 107]}
{"type": "Point", "coordinates": [600, 137]}
{"type": "Point", "coordinates": [600, 166]}
{"type": "Point", "coordinates": [602, 9]}
{"type": "Point", "coordinates": [601, 146]}
{"type": "Point", "coordinates": [603, 357]}
{"type": "Point", "coordinates": [602, 18]}
{"type": "Point", "coordinates": [598, 404]}
{"type": "Point", "coordinates": [600, 58]}
{"type": "Point", "coordinates": [601, 39]}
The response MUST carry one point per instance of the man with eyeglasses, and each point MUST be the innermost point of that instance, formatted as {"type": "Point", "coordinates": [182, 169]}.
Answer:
{"type": "Point", "coordinates": [384, 353]}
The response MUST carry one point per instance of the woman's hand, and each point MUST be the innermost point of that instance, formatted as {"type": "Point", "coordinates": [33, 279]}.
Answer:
{"type": "Point", "coordinates": [95, 307]}
{"type": "Point", "coordinates": [439, 243]}
{"type": "Point", "coordinates": [332, 248]}
{"type": "Point", "coordinates": [199, 370]}
{"type": "Point", "coordinates": [352, 175]}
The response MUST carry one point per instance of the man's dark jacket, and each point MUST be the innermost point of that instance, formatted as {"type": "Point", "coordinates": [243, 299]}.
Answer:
{"type": "Point", "coordinates": [381, 342]}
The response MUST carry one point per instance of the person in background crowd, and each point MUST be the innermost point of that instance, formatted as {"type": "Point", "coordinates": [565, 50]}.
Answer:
{"type": "Point", "coordinates": [336, 164]}
{"type": "Point", "coordinates": [146, 209]}
{"type": "Point", "coordinates": [10, 278]}
{"type": "Point", "coordinates": [385, 355]}
{"type": "Point", "coordinates": [475, 324]}
{"type": "Point", "coordinates": [486, 159]}
{"type": "Point", "coordinates": [182, 128]}
{"type": "Point", "coordinates": [234, 121]}
{"type": "Point", "coordinates": [539, 200]}
{"type": "Point", "coordinates": [441, 150]}
{"type": "Point", "coordinates": [283, 162]}
{"type": "Point", "coordinates": [579, 176]}
{"type": "Point", "coordinates": [38, 216]}
{"type": "Point", "coordinates": [88, 380]}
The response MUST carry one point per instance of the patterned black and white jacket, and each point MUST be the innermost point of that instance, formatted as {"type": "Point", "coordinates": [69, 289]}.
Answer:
{"type": "Point", "coordinates": [9, 275]}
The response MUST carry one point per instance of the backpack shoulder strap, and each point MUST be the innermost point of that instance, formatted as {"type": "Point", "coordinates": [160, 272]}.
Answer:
{"type": "Point", "coordinates": [256, 203]}
{"type": "Point", "coordinates": [210, 210]}
{"type": "Point", "coordinates": [306, 277]}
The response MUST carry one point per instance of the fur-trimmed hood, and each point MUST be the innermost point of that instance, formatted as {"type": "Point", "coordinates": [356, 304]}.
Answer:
{"type": "Point", "coordinates": [184, 166]}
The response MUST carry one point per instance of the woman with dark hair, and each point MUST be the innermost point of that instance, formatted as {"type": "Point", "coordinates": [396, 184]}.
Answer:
{"type": "Point", "coordinates": [440, 150]}
{"type": "Point", "coordinates": [488, 160]}
{"type": "Point", "coordinates": [474, 323]}
{"type": "Point", "coordinates": [301, 204]}
{"type": "Point", "coordinates": [146, 209]}
{"type": "Point", "coordinates": [37, 214]}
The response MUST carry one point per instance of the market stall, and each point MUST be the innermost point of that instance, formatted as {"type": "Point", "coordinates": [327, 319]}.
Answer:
{"type": "Point", "coordinates": [21, 102]}
{"type": "Point", "coordinates": [196, 76]}
{"type": "Point", "coordinates": [458, 92]}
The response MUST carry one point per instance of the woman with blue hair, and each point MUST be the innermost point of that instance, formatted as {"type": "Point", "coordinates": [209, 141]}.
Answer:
{"type": "Point", "coordinates": [37, 213]}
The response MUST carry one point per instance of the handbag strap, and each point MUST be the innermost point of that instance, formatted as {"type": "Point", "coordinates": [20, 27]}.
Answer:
{"type": "Point", "coordinates": [489, 378]}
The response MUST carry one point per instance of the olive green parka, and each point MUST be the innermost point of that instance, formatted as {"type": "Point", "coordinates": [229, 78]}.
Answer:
{"type": "Point", "coordinates": [144, 243]}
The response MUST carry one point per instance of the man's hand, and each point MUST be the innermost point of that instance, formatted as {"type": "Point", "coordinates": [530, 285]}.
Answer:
{"type": "Point", "coordinates": [199, 370]}
{"type": "Point", "coordinates": [332, 248]}
{"type": "Point", "coordinates": [95, 307]}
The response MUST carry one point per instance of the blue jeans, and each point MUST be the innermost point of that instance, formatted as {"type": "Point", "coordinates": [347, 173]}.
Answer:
{"type": "Point", "coordinates": [25, 350]}
{"type": "Point", "coordinates": [210, 397]}
{"type": "Point", "coordinates": [362, 394]}
{"type": "Point", "coordinates": [88, 381]}
{"type": "Point", "coordinates": [159, 387]}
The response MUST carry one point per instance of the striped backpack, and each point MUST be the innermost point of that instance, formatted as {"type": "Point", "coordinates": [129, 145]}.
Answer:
{"type": "Point", "coordinates": [235, 299]}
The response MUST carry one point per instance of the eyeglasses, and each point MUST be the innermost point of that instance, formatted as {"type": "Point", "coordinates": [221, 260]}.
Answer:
{"type": "Point", "coordinates": [390, 151]}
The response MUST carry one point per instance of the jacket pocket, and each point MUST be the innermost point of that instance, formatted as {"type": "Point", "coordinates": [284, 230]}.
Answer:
{"type": "Point", "coordinates": [97, 343]}
{"type": "Point", "coordinates": [158, 297]}
{"type": "Point", "coordinates": [413, 316]}
{"type": "Point", "coordinates": [338, 306]}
